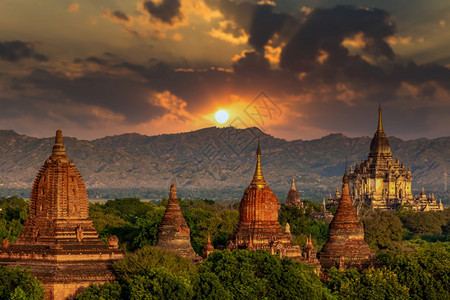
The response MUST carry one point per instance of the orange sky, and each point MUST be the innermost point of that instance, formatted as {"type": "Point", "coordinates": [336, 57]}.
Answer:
{"type": "Point", "coordinates": [295, 69]}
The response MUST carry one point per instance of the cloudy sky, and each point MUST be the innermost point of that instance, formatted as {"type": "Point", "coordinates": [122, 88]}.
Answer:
{"type": "Point", "coordinates": [296, 69]}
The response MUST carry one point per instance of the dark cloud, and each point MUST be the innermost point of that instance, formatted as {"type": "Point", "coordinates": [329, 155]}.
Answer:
{"type": "Point", "coordinates": [121, 15]}
{"type": "Point", "coordinates": [258, 20]}
{"type": "Point", "coordinates": [16, 50]}
{"type": "Point", "coordinates": [122, 95]}
{"type": "Point", "coordinates": [168, 11]}
{"type": "Point", "coordinates": [326, 29]}
{"type": "Point", "coordinates": [252, 64]}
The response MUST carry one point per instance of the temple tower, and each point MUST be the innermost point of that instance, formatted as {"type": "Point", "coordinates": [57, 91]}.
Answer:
{"type": "Point", "coordinates": [382, 182]}
{"type": "Point", "coordinates": [173, 232]}
{"type": "Point", "coordinates": [293, 197]}
{"type": "Point", "coordinates": [208, 248]}
{"type": "Point", "coordinates": [58, 242]}
{"type": "Point", "coordinates": [258, 226]}
{"type": "Point", "coordinates": [346, 248]}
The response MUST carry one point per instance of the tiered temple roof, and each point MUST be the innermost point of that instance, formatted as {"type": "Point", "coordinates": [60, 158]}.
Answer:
{"type": "Point", "coordinates": [58, 242]}
{"type": "Point", "coordinates": [173, 232]}
{"type": "Point", "coordinates": [346, 247]}
{"type": "Point", "coordinates": [382, 182]}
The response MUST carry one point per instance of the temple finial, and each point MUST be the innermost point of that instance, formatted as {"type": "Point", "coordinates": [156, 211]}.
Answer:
{"type": "Point", "coordinates": [258, 178]}
{"type": "Point", "coordinates": [58, 148]}
{"type": "Point", "coordinates": [345, 178]}
{"type": "Point", "coordinates": [258, 150]}
{"type": "Point", "coordinates": [380, 121]}
{"type": "Point", "coordinates": [293, 185]}
{"type": "Point", "coordinates": [173, 192]}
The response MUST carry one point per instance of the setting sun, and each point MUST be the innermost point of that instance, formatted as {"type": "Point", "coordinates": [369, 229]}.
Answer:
{"type": "Point", "coordinates": [221, 116]}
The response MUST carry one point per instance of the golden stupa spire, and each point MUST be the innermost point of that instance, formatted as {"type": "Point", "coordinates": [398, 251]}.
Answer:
{"type": "Point", "coordinates": [58, 148]}
{"type": "Point", "coordinates": [293, 185]}
{"type": "Point", "coordinates": [380, 121]}
{"type": "Point", "coordinates": [258, 178]}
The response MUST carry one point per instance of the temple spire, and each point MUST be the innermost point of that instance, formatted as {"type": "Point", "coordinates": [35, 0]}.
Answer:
{"type": "Point", "coordinates": [58, 148]}
{"type": "Point", "coordinates": [293, 185]}
{"type": "Point", "coordinates": [380, 121]}
{"type": "Point", "coordinates": [345, 179]}
{"type": "Point", "coordinates": [258, 178]}
{"type": "Point", "coordinates": [173, 192]}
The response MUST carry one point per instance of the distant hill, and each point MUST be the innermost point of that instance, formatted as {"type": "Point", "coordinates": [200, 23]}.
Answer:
{"type": "Point", "coordinates": [217, 160]}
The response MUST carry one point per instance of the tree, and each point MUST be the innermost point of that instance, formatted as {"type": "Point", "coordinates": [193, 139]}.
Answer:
{"type": "Point", "coordinates": [147, 227]}
{"type": "Point", "coordinates": [148, 258]}
{"type": "Point", "coordinates": [159, 284]}
{"type": "Point", "coordinates": [302, 225]}
{"type": "Point", "coordinates": [424, 223]}
{"type": "Point", "coordinates": [258, 274]}
{"type": "Point", "coordinates": [383, 231]}
{"type": "Point", "coordinates": [426, 272]}
{"type": "Point", "coordinates": [12, 217]}
{"type": "Point", "coordinates": [207, 285]}
{"type": "Point", "coordinates": [19, 284]}
{"type": "Point", "coordinates": [128, 208]}
{"type": "Point", "coordinates": [106, 291]}
{"type": "Point", "coordinates": [371, 284]}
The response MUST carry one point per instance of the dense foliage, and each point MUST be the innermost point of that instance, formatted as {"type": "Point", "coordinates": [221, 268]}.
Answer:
{"type": "Point", "coordinates": [383, 231]}
{"type": "Point", "coordinates": [13, 214]}
{"type": "Point", "coordinates": [370, 284]}
{"type": "Point", "coordinates": [19, 284]}
{"type": "Point", "coordinates": [426, 272]}
{"type": "Point", "coordinates": [413, 250]}
{"type": "Point", "coordinates": [259, 275]}
{"type": "Point", "coordinates": [303, 223]}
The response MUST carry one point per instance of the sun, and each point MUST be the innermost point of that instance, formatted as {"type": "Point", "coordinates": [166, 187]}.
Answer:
{"type": "Point", "coordinates": [221, 116]}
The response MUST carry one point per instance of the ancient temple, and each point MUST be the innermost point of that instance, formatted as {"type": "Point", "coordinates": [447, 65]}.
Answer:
{"type": "Point", "coordinates": [293, 197]}
{"type": "Point", "coordinates": [310, 254]}
{"type": "Point", "coordinates": [346, 248]}
{"type": "Point", "coordinates": [382, 182]}
{"type": "Point", "coordinates": [173, 232]}
{"type": "Point", "coordinates": [333, 201]}
{"type": "Point", "coordinates": [324, 214]}
{"type": "Point", "coordinates": [209, 248]}
{"type": "Point", "coordinates": [58, 242]}
{"type": "Point", "coordinates": [258, 227]}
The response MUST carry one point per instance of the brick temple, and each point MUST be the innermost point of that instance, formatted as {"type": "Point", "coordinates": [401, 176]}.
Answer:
{"type": "Point", "coordinates": [58, 242]}
{"type": "Point", "coordinates": [173, 232]}
{"type": "Point", "coordinates": [258, 227]}
{"type": "Point", "coordinates": [208, 248]}
{"type": "Point", "coordinates": [346, 248]}
{"type": "Point", "coordinates": [293, 197]}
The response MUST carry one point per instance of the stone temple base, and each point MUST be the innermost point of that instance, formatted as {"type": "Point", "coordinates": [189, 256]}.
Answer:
{"type": "Point", "coordinates": [64, 272]}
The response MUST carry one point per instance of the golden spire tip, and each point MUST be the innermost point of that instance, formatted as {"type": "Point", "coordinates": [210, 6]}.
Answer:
{"type": "Point", "coordinates": [380, 121]}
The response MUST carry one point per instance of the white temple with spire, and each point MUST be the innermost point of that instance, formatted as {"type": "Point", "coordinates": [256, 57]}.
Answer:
{"type": "Point", "coordinates": [385, 183]}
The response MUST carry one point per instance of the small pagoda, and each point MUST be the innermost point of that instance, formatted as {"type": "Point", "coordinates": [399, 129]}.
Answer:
{"type": "Point", "coordinates": [59, 242]}
{"type": "Point", "coordinates": [209, 248]}
{"type": "Point", "coordinates": [346, 248]}
{"type": "Point", "coordinates": [173, 232]}
{"type": "Point", "coordinates": [293, 197]}
{"type": "Point", "coordinates": [258, 227]}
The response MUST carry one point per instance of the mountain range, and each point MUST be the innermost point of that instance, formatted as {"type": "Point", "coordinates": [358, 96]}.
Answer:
{"type": "Point", "coordinates": [216, 161]}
